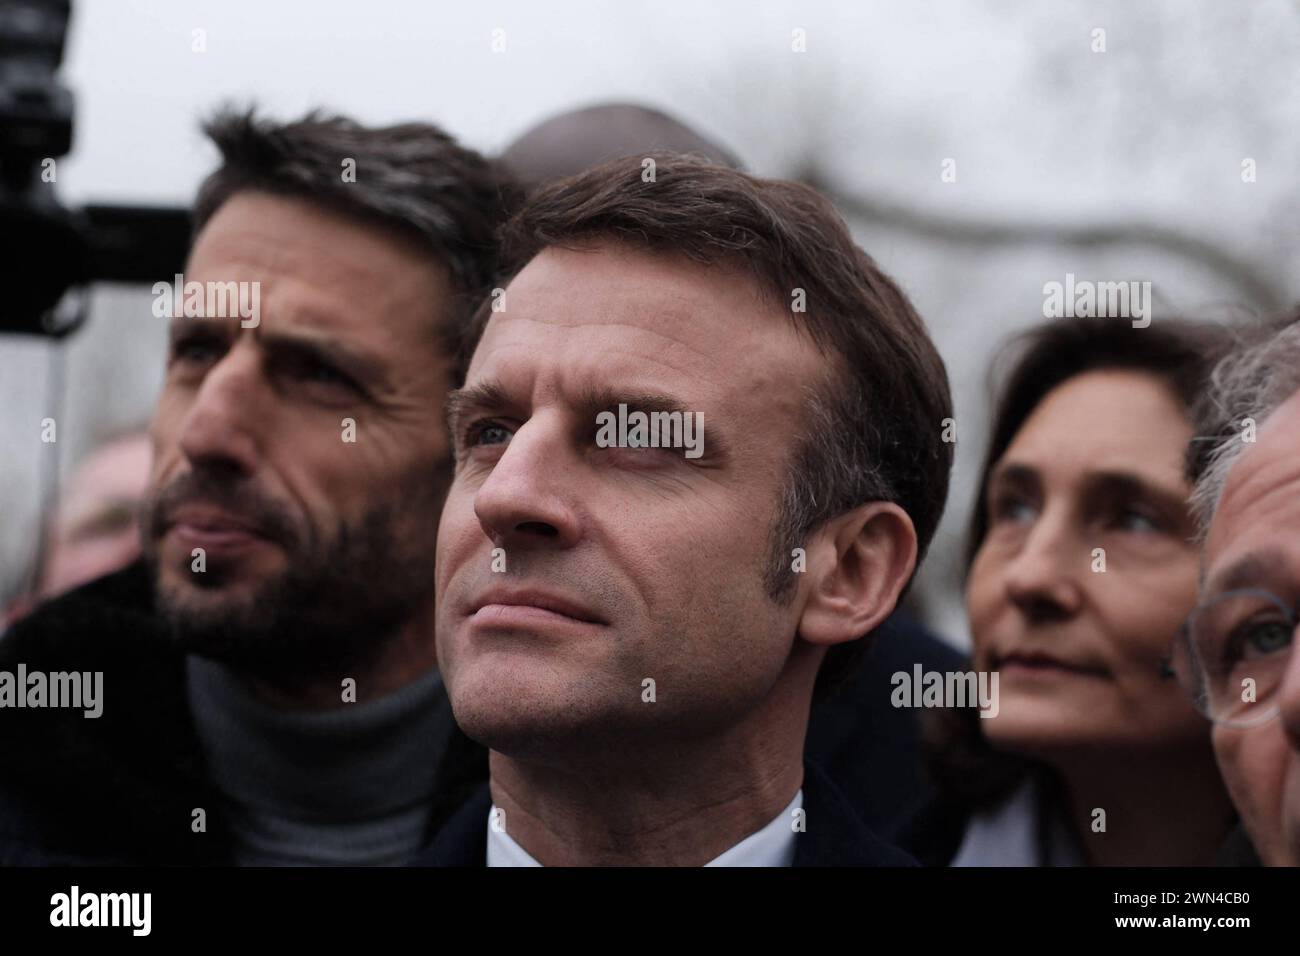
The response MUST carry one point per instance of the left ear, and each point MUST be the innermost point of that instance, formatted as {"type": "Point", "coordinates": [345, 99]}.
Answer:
{"type": "Point", "coordinates": [861, 562]}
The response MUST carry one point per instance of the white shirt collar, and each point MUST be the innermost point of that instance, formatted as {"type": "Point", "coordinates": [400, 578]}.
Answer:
{"type": "Point", "coordinates": [1007, 835]}
{"type": "Point", "coordinates": [771, 846]}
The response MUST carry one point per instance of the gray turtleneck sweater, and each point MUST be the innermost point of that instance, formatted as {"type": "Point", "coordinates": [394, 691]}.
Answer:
{"type": "Point", "coordinates": [352, 786]}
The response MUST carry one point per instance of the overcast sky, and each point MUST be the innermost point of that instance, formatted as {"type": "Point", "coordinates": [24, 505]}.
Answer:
{"type": "Point", "coordinates": [1013, 90]}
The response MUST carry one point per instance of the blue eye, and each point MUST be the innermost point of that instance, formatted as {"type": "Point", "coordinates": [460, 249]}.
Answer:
{"type": "Point", "coordinates": [1013, 509]}
{"type": "Point", "coordinates": [1131, 519]}
{"type": "Point", "coordinates": [1259, 638]}
{"type": "Point", "coordinates": [1269, 638]}
{"type": "Point", "coordinates": [195, 349]}
{"type": "Point", "coordinates": [488, 433]}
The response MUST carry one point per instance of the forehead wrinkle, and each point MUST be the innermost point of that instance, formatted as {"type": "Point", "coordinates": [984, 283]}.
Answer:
{"type": "Point", "coordinates": [312, 285]}
{"type": "Point", "coordinates": [1259, 480]}
{"type": "Point", "coordinates": [1246, 467]}
{"type": "Point", "coordinates": [1274, 451]}
{"type": "Point", "coordinates": [660, 281]}
{"type": "Point", "coordinates": [668, 313]}
{"type": "Point", "coordinates": [274, 262]}
{"type": "Point", "coordinates": [635, 356]}
{"type": "Point", "coordinates": [578, 382]}
{"type": "Point", "coordinates": [304, 301]}
{"type": "Point", "coordinates": [777, 345]}
{"type": "Point", "coordinates": [597, 325]}
{"type": "Point", "coordinates": [592, 370]}
{"type": "Point", "coordinates": [1246, 507]}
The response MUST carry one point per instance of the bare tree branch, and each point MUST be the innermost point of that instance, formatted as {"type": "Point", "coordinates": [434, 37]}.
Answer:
{"type": "Point", "coordinates": [1256, 285]}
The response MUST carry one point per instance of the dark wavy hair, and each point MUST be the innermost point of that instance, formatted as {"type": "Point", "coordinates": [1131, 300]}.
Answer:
{"type": "Point", "coordinates": [412, 178]}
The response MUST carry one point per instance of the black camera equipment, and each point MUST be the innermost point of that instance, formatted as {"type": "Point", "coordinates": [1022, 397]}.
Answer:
{"type": "Point", "coordinates": [49, 248]}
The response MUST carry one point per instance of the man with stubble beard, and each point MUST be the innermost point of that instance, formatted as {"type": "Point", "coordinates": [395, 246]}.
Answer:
{"type": "Point", "coordinates": [270, 681]}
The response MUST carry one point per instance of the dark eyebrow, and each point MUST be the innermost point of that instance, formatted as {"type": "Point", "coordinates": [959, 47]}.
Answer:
{"type": "Point", "coordinates": [1250, 571]}
{"type": "Point", "coordinates": [596, 400]}
{"type": "Point", "coordinates": [178, 328]}
{"type": "Point", "coordinates": [1130, 485]}
{"type": "Point", "coordinates": [593, 401]}
{"type": "Point", "coordinates": [1118, 483]}
{"type": "Point", "coordinates": [1014, 474]}
{"type": "Point", "coordinates": [365, 368]}
{"type": "Point", "coordinates": [485, 396]}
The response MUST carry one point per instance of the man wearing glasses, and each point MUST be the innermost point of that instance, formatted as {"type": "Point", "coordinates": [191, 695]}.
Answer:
{"type": "Point", "coordinates": [1236, 652]}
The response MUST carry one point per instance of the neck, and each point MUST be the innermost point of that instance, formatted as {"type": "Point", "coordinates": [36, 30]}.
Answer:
{"type": "Point", "coordinates": [401, 659]}
{"type": "Point", "coordinates": [1161, 809]}
{"type": "Point", "coordinates": [667, 803]}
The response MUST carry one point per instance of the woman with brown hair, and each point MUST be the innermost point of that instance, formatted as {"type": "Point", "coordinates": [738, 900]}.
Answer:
{"type": "Point", "coordinates": [1081, 566]}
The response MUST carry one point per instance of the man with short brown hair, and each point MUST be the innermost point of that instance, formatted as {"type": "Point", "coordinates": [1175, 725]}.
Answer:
{"type": "Point", "coordinates": [635, 625]}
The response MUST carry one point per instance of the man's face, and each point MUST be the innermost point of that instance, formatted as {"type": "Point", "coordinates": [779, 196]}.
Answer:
{"type": "Point", "coordinates": [304, 456]}
{"type": "Point", "coordinates": [1254, 542]}
{"type": "Point", "coordinates": [655, 560]}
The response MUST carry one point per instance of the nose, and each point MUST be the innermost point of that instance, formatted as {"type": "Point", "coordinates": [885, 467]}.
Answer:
{"type": "Point", "coordinates": [220, 430]}
{"type": "Point", "coordinates": [527, 501]}
{"type": "Point", "coordinates": [1042, 578]}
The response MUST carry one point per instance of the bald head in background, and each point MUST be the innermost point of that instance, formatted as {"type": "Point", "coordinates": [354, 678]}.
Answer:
{"type": "Point", "coordinates": [572, 142]}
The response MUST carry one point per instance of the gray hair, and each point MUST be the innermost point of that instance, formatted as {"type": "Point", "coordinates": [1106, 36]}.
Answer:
{"type": "Point", "coordinates": [1248, 385]}
{"type": "Point", "coordinates": [413, 178]}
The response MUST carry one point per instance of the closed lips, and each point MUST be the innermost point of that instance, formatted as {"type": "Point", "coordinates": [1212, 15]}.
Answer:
{"type": "Point", "coordinates": [1045, 661]}
{"type": "Point", "coordinates": [546, 602]}
{"type": "Point", "coordinates": [207, 518]}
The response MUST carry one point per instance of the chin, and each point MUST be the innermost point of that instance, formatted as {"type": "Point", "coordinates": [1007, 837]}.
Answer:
{"type": "Point", "coordinates": [522, 712]}
{"type": "Point", "coordinates": [247, 572]}
{"type": "Point", "coordinates": [183, 588]}
{"type": "Point", "coordinates": [222, 593]}
{"type": "Point", "coordinates": [1030, 732]}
